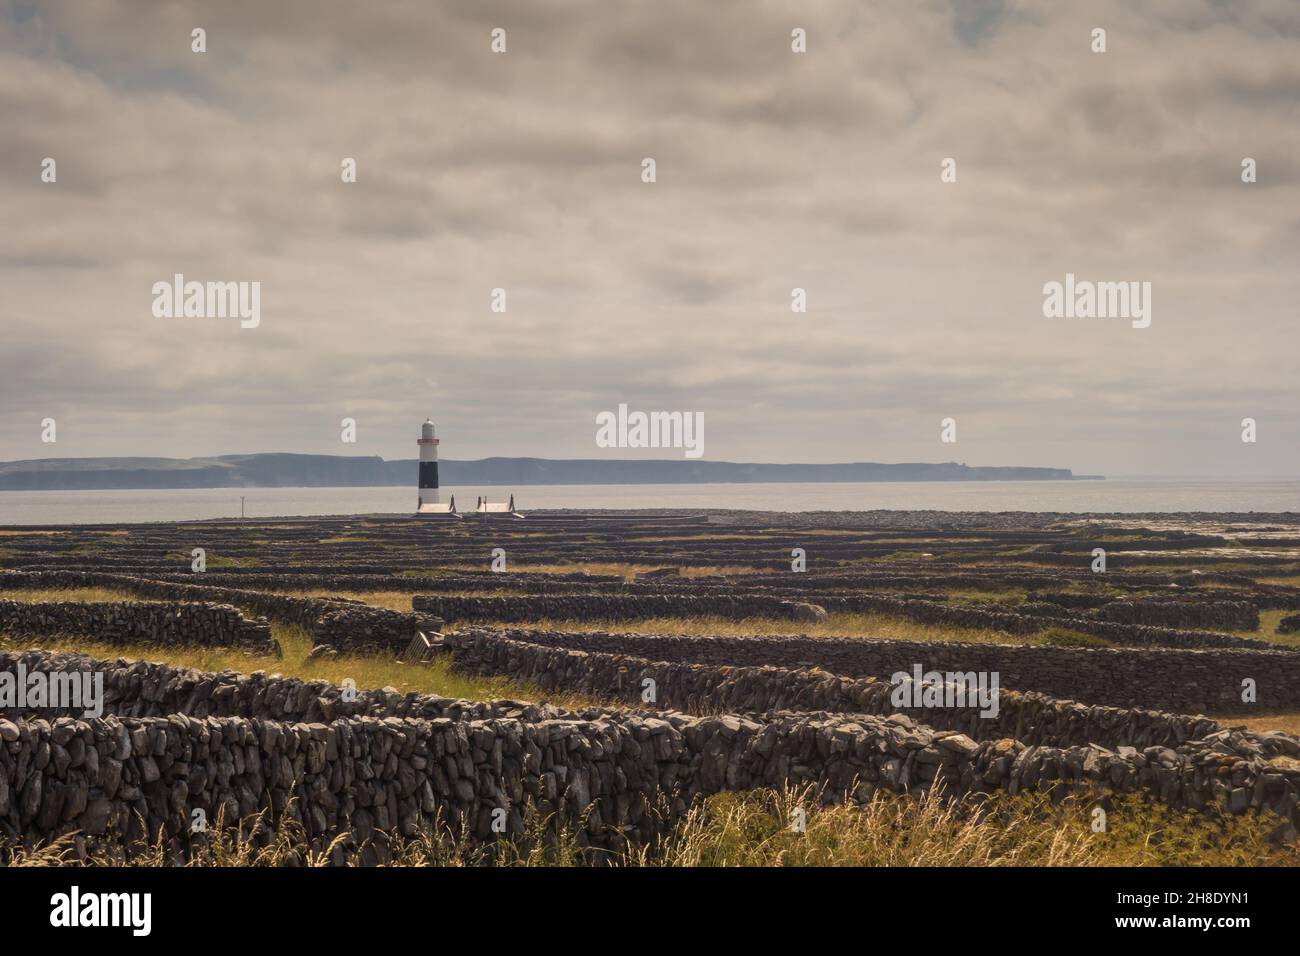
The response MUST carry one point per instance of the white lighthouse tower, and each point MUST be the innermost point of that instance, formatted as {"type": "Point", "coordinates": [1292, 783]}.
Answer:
{"type": "Point", "coordinates": [428, 502]}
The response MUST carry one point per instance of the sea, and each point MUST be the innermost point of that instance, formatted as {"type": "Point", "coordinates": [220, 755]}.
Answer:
{"type": "Point", "coordinates": [1112, 495]}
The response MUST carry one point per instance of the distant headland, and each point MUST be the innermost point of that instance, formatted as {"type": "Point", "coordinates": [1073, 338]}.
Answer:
{"type": "Point", "coordinates": [277, 470]}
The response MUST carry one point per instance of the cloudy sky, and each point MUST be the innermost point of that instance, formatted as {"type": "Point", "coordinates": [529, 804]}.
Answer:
{"type": "Point", "coordinates": [775, 170]}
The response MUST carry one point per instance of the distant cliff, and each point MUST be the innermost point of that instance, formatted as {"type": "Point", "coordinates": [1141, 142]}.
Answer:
{"type": "Point", "coordinates": [325, 471]}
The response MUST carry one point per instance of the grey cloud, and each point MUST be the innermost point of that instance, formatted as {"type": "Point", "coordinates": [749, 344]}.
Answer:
{"type": "Point", "coordinates": [775, 171]}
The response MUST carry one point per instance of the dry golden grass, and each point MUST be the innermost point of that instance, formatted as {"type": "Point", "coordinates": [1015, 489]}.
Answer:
{"type": "Point", "coordinates": [369, 671]}
{"type": "Point", "coordinates": [756, 829]}
{"type": "Point", "coordinates": [1026, 830]}
{"type": "Point", "coordinates": [1287, 721]}
{"type": "Point", "coordinates": [394, 600]}
{"type": "Point", "coordinates": [627, 572]}
{"type": "Point", "coordinates": [88, 595]}
{"type": "Point", "coordinates": [1290, 581]}
{"type": "Point", "coordinates": [704, 537]}
{"type": "Point", "coordinates": [839, 624]}
{"type": "Point", "coordinates": [992, 597]}
{"type": "Point", "coordinates": [719, 570]}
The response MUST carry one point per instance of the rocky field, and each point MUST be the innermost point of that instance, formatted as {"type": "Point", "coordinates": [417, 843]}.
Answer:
{"type": "Point", "coordinates": [348, 689]}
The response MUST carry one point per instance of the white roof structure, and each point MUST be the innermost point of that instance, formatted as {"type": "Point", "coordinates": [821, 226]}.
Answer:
{"type": "Point", "coordinates": [485, 507]}
{"type": "Point", "coordinates": [431, 509]}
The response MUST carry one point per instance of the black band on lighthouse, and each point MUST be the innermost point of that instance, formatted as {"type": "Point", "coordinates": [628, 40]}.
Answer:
{"type": "Point", "coordinates": [428, 474]}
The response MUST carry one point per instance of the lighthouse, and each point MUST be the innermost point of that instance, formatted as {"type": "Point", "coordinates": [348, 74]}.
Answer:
{"type": "Point", "coordinates": [428, 502]}
{"type": "Point", "coordinates": [428, 443]}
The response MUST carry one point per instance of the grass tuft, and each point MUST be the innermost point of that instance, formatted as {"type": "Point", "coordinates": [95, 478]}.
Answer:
{"type": "Point", "coordinates": [757, 829]}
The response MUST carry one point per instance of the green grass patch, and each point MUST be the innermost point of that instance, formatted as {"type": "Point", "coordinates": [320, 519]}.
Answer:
{"type": "Point", "coordinates": [1268, 622]}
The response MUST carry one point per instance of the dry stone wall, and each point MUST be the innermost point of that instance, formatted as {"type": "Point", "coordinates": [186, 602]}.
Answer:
{"type": "Point", "coordinates": [361, 583]}
{"type": "Point", "coordinates": [1016, 619]}
{"type": "Point", "coordinates": [627, 607]}
{"type": "Point", "coordinates": [360, 628]}
{"type": "Point", "coordinates": [1148, 635]}
{"type": "Point", "coordinates": [1029, 717]}
{"type": "Point", "coordinates": [280, 607]}
{"type": "Point", "coordinates": [136, 688]}
{"type": "Point", "coordinates": [173, 740]}
{"type": "Point", "coordinates": [1183, 681]}
{"type": "Point", "coordinates": [160, 624]}
{"type": "Point", "coordinates": [384, 630]}
{"type": "Point", "coordinates": [1229, 615]}
{"type": "Point", "coordinates": [343, 624]}
{"type": "Point", "coordinates": [142, 778]}
{"type": "Point", "coordinates": [613, 607]}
